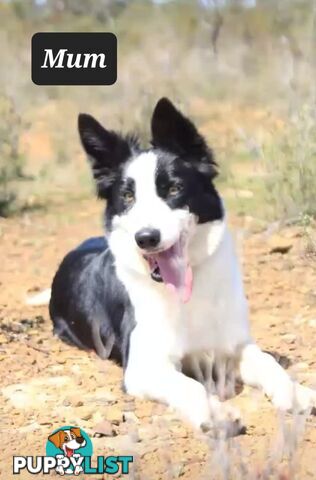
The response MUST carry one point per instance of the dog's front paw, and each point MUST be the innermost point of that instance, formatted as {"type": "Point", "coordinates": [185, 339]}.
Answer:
{"type": "Point", "coordinates": [224, 429]}
{"type": "Point", "coordinates": [305, 399]}
{"type": "Point", "coordinates": [295, 398]}
{"type": "Point", "coordinates": [225, 420]}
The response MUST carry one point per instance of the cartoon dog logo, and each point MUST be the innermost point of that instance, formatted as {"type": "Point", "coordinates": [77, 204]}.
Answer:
{"type": "Point", "coordinates": [68, 441]}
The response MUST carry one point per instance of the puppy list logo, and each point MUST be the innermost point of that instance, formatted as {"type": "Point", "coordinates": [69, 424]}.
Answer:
{"type": "Point", "coordinates": [69, 452]}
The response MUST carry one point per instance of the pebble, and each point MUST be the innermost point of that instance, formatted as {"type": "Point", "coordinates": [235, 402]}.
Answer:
{"type": "Point", "coordinates": [72, 401]}
{"type": "Point", "coordinates": [289, 338]}
{"type": "Point", "coordinates": [104, 429]}
{"type": "Point", "coordinates": [278, 244]}
{"type": "Point", "coordinates": [130, 417]}
{"type": "Point", "coordinates": [85, 413]}
{"type": "Point", "coordinates": [45, 422]}
{"type": "Point", "coordinates": [114, 415]}
{"type": "Point", "coordinates": [301, 366]}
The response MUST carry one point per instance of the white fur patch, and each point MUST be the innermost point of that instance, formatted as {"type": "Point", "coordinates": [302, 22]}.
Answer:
{"type": "Point", "coordinates": [215, 320]}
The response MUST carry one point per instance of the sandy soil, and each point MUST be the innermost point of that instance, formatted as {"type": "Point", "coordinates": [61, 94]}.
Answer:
{"type": "Point", "coordinates": [46, 384]}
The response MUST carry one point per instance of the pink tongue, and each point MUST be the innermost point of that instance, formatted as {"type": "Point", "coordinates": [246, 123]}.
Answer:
{"type": "Point", "coordinates": [69, 452]}
{"type": "Point", "coordinates": [175, 272]}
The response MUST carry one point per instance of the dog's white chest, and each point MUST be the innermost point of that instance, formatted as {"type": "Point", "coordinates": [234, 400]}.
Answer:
{"type": "Point", "coordinates": [216, 318]}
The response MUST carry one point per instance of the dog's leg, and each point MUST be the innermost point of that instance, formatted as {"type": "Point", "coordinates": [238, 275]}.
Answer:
{"type": "Point", "coordinates": [104, 350]}
{"type": "Point", "coordinates": [204, 367]}
{"type": "Point", "coordinates": [260, 369]}
{"type": "Point", "coordinates": [166, 384]}
{"type": "Point", "coordinates": [199, 367]}
{"type": "Point", "coordinates": [217, 374]}
{"type": "Point", "coordinates": [163, 382]}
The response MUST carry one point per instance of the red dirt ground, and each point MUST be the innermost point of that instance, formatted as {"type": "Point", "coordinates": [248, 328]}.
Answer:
{"type": "Point", "coordinates": [47, 384]}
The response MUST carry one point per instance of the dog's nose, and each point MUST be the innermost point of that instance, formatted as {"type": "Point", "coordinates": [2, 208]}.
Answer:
{"type": "Point", "coordinates": [148, 238]}
{"type": "Point", "coordinates": [80, 440]}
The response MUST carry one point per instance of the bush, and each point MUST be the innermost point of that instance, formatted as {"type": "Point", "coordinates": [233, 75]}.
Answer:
{"type": "Point", "coordinates": [291, 165]}
{"type": "Point", "coordinates": [11, 161]}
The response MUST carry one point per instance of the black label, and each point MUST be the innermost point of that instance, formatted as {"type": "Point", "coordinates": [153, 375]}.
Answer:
{"type": "Point", "coordinates": [74, 58]}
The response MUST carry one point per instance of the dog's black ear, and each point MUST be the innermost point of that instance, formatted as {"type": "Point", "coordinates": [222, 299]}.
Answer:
{"type": "Point", "coordinates": [172, 131]}
{"type": "Point", "coordinates": [106, 150]}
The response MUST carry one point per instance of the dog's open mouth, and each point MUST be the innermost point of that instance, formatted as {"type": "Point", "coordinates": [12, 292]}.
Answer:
{"type": "Point", "coordinates": [171, 267]}
{"type": "Point", "coordinates": [69, 452]}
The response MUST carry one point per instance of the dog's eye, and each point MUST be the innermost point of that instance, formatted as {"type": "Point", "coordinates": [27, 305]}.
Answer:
{"type": "Point", "coordinates": [128, 196]}
{"type": "Point", "coordinates": [174, 190]}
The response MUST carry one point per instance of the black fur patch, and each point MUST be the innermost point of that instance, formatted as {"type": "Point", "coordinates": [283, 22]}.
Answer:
{"type": "Point", "coordinates": [89, 306]}
{"type": "Point", "coordinates": [107, 152]}
{"type": "Point", "coordinates": [174, 133]}
{"type": "Point", "coordinates": [196, 190]}
{"type": "Point", "coordinates": [184, 160]}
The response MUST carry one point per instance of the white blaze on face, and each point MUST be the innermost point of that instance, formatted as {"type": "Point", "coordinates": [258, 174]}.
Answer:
{"type": "Point", "coordinates": [142, 170]}
{"type": "Point", "coordinates": [151, 211]}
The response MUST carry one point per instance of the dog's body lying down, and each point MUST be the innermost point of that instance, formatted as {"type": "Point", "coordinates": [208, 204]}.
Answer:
{"type": "Point", "coordinates": [164, 292]}
{"type": "Point", "coordinates": [86, 291]}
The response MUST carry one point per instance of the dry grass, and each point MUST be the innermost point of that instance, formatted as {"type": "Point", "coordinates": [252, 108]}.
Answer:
{"type": "Point", "coordinates": [260, 60]}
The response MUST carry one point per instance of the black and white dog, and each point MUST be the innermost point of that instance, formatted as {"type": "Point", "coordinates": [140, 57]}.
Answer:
{"type": "Point", "coordinates": [164, 290]}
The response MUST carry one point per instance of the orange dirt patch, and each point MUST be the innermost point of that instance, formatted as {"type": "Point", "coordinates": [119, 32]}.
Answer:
{"type": "Point", "coordinates": [46, 384]}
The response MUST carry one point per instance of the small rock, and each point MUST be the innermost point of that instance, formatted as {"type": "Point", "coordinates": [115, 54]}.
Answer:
{"type": "Point", "coordinates": [134, 436]}
{"type": "Point", "coordinates": [278, 244]}
{"type": "Point", "coordinates": [114, 415]}
{"type": "Point", "coordinates": [104, 429]}
{"type": "Point", "coordinates": [301, 366]}
{"type": "Point", "coordinates": [130, 417]}
{"type": "Point", "coordinates": [3, 339]}
{"type": "Point", "coordinates": [101, 397]}
{"type": "Point", "coordinates": [61, 361]}
{"type": "Point", "coordinates": [299, 320]}
{"type": "Point", "coordinates": [179, 431]}
{"type": "Point", "coordinates": [24, 396]}
{"type": "Point", "coordinates": [45, 422]}
{"type": "Point", "coordinates": [97, 417]}
{"type": "Point", "coordinates": [85, 413]}
{"type": "Point", "coordinates": [289, 338]}
{"type": "Point", "coordinates": [30, 427]}
{"type": "Point", "coordinates": [76, 369]}
{"type": "Point", "coordinates": [72, 401]}
{"type": "Point", "coordinates": [177, 470]}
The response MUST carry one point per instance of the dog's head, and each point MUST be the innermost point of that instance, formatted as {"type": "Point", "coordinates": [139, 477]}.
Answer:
{"type": "Point", "coordinates": [155, 197]}
{"type": "Point", "coordinates": [68, 440]}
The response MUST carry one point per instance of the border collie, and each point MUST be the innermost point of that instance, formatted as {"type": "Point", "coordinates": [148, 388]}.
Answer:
{"type": "Point", "coordinates": [163, 292]}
